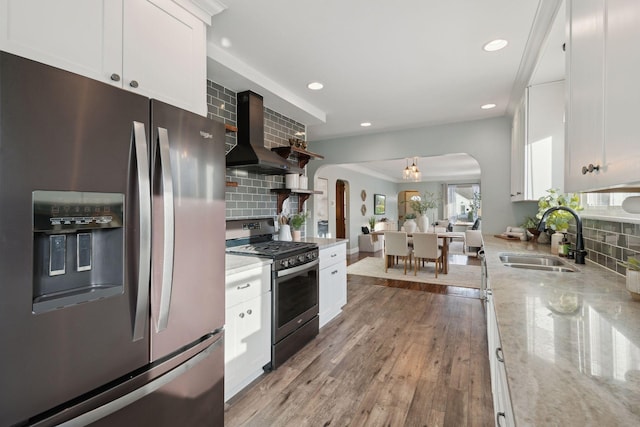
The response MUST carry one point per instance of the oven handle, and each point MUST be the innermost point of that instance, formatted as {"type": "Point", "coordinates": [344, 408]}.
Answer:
{"type": "Point", "coordinates": [298, 269]}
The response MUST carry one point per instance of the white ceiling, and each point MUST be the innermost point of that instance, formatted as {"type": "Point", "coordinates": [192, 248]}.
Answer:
{"type": "Point", "coordinates": [395, 64]}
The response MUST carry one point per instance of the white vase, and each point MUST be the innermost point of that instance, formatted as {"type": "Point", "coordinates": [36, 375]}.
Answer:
{"type": "Point", "coordinates": [633, 283]}
{"type": "Point", "coordinates": [285, 233]}
{"type": "Point", "coordinates": [410, 225]}
{"type": "Point", "coordinates": [423, 223]}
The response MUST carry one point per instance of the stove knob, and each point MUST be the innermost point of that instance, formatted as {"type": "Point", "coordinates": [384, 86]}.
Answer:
{"type": "Point", "coordinates": [301, 258]}
{"type": "Point", "coordinates": [284, 263]}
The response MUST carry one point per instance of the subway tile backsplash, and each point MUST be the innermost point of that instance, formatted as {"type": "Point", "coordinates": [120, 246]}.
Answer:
{"type": "Point", "coordinates": [252, 196]}
{"type": "Point", "coordinates": [608, 242]}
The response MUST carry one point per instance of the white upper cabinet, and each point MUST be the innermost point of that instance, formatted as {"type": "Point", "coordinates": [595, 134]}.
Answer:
{"type": "Point", "coordinates": [622, 94]}
{"type": "Point", "coordinates": [152, 47]}
{"type": "Point", "coordinates": [537, 142]}
{"type": "Point", "coordinates": [603, 150]}
{"type": "Point", "coordinates": [518, 139]}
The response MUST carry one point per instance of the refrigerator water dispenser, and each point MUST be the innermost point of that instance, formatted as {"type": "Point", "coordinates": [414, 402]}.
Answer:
{"type": "Point", "coordinates": [78, 243]}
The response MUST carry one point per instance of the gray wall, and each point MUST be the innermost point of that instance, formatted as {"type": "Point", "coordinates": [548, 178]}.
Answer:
{"type": "Point", "coordinates": [356, 183]}
{"type": "Point", "coordinates": [488, 141]}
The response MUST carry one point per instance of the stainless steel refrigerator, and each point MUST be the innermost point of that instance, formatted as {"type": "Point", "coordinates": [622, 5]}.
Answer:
{"type": "Point", "coordinates": [112, 268]}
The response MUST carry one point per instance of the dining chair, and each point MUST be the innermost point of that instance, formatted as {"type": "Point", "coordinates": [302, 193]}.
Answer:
{"type": "Point", "coordinates": [396, 244]}
{"type": "Point", "coordinates": [426, 248]}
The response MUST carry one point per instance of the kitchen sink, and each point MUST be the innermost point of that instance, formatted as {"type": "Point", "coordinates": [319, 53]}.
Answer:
{"type": "Point", "coordinates": [537, 262]}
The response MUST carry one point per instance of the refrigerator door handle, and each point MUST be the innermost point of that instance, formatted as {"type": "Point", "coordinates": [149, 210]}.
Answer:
{"type": "Point", "coordinates": [139, 393]}
{"type": "Point", "coordinates": [167, 197]}
{"type": "Point", "coordinates": [144, 199]}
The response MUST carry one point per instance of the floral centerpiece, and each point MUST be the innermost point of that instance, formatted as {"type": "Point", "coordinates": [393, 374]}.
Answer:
{"type": "Point", "coordinates": [420, 205]}
{"type": "Point", "coordinates": [558, 220]}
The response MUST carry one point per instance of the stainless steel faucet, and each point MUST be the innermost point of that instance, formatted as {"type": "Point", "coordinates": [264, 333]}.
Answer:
{"type": "Point", "coordinates": [580, 252]}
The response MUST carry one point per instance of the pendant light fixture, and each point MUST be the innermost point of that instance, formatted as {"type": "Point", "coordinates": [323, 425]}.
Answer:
{"type": "Point", "coordinates": [406, 174]}
{"type": "Point", "coordinates": [412, 173]}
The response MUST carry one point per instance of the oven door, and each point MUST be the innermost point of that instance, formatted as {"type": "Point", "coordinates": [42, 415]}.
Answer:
{"type": "Point", "coordinates": [295, 296]}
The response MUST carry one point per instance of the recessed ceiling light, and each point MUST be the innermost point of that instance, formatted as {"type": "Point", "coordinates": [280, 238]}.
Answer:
{"type": "Point", "coordinates": [488, 106]}
{"type": "Point", "coordinates": [315, 85]}
{"type": "Point", "coordinates": [494, 45]}
{"type": "Point", "coordinates": [365, 124]}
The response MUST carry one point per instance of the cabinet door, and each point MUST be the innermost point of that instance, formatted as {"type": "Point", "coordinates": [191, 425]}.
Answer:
{"type": "Point", "coordinates": [247, 342]}
{"type": "Point", "coordinates": [165, 53]}
{"type": "Point", "coordinates": [544, 146]}
{"type": "Point", "coordinates": [333, 291]}
{"type": "Point", "coordinates": [585, 83]}
{"type": "Point", "coordinates": [622, 96]}
{"type": "Point", "coordinates": [518, 136]}
{"type": "Point", "coordinates": [81, 36]}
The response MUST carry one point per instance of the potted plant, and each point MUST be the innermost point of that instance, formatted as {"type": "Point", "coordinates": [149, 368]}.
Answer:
{"type": "Point", "coordinates": [420, 205]}
{"type": "Point", "coordinates": [633, 276]}
{"type": "Point", "coordinates": [558, 220]}
{"type": "Point", "coordinates": [531, 225]}
{"type": "Point", "coordinates": [296, 221]}
{"type": "Point", "coordinates": [372, 223]}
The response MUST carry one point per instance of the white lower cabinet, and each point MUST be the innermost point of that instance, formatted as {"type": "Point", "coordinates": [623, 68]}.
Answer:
{"type": "Point", "coordinates": [333, 281]}
{"type": "Point", "coordinates": [503, 413]}
{"type": "Point", "coordinates": [248, 328]}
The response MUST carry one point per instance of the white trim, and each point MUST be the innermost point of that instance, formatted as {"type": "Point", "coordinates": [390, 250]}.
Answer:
{"type": "Point", "coordinates": [542, 24]}
{"type": "Point", "coordinates": [202, 9]}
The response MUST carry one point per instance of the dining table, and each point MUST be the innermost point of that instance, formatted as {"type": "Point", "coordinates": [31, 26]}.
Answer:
{"type": "Point", "coordinates": [446, 237]}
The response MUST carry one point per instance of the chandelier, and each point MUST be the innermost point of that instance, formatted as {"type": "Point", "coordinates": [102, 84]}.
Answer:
{"type": "Point", "coordinates": [412, 173]}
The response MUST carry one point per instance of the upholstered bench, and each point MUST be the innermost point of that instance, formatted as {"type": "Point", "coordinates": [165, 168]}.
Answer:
{"type": "Point", "coordinates": [370, 242]}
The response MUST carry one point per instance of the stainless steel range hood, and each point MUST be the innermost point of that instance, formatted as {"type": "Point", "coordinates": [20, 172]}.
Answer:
{"type": "Point", "coordinates": [250, 153]}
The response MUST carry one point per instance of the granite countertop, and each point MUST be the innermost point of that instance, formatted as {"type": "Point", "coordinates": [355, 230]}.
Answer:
{"type": "Point", "coordinates": [571, 341]}
{"type": "Point", "coordinates": [237, 263]}
{"type": "Point", "coordinates": [324, 242]}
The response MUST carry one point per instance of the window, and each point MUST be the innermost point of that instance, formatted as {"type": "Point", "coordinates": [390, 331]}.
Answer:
{"type": "Point", "coordinates": [462, 202]}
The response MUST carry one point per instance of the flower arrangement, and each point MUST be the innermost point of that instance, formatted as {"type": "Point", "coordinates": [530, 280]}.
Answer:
{"type": "Point", "coordinates": [296, 221]}
{"type": "Point", "coordinates": [421, 204]}
{"type": "Point", "coordinates": [558, 220]}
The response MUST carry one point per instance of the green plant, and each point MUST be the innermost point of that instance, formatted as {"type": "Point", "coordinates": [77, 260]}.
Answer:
{"type": "Point", "coordinates": [631, 264]}
{"type": "Point", "coordinates": [410, 216]}
{"type": "Point", "coordinates": [372, 222]}
{"type": "Point", "coordinates": [530, 222]}
{"type": "Point", "coordinates": [558, 220]}
{"type": "Point", "coordinates": [296, 221]}
{"type": "Point", "coordinates": [421, 204]}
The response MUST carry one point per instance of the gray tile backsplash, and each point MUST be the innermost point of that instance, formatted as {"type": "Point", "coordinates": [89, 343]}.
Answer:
{"type": "Point", "coordinates": [608, 242]}
{"type": "Point", "coordinates": [252, 197]}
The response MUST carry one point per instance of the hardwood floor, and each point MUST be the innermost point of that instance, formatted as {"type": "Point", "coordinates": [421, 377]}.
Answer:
{"type": "Point", "coordinates": [394, 357]}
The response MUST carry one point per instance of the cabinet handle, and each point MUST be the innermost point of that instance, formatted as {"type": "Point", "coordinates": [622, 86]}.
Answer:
{"type": "Point", "coordinates": [590, 168]}
{"type": "Point", "coordinates": [499, 354]}
{"type": "Point", "coordinates": [334, 255]}
{"type": "Point", "coordinates": [249, 311]}
{"type": "Point", "coordinates": [115, 77]}
{"type": "Point", "coordinates": [241, 315]}
{"type": "Point", "coordinates": [334, 272]}
{"type": "Point", "coordinates": [133, 84]}
{"type": "Point", "coordinates": [244, 286]}
{"type": "Point", "coordinates": [498, 416]}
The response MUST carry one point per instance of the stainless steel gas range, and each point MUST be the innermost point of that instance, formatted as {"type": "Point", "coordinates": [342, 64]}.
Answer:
{"type": "Point", "coordinates": [294, 283]}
